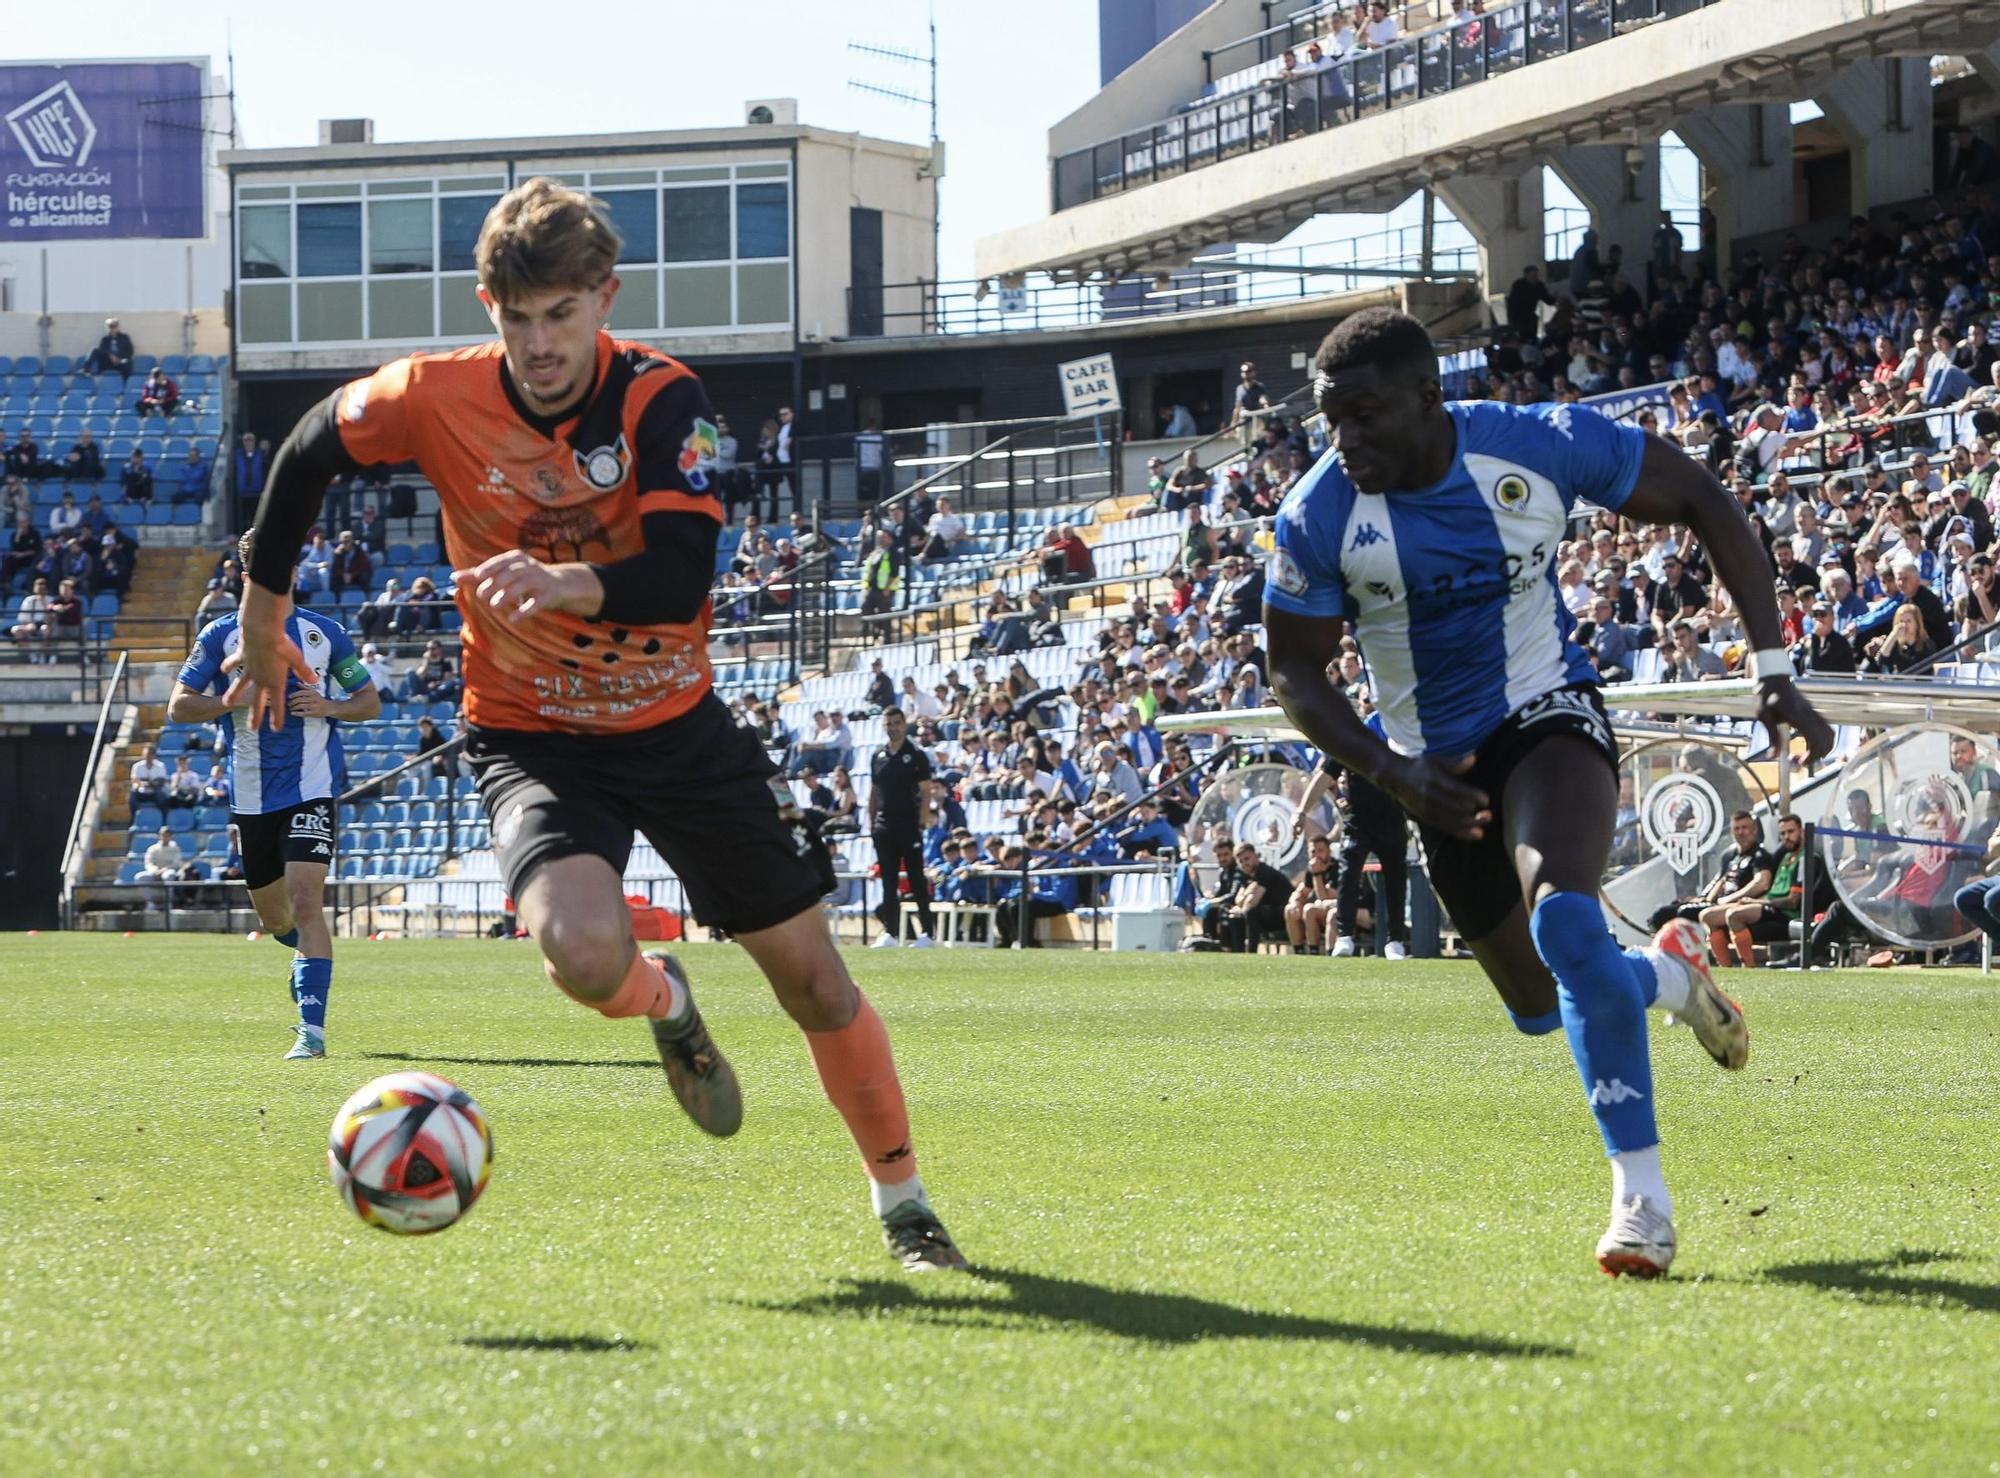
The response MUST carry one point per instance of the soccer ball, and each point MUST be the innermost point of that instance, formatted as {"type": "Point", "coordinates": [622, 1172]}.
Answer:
{"type": "Point", "coordinates": [410, 1153]}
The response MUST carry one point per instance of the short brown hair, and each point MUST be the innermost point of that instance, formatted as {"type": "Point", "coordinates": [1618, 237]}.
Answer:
{"type": "Point", "coordinates": [542, 234]}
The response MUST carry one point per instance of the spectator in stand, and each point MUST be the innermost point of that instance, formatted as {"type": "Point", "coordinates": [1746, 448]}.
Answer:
{"type": "Point", "coordinates": [1904, 646]}
{"type": "Point", "coordinates": [214, 605]}
{"type": "Point", "coordinates": [1824, 649]}
{"type": "Point", "coordinates": [1066, 559]}
{"type": "Point", "coordinates": [24, 457]}
{"type": "Point", "coordinates": [1112, 774]}
{"type": "Point", "coordinates": [431, 738]}
{"type": "Point", "coordinates": [159, 396]}
{"type": "Point", "coordinates": [32, 628]}
{"type": "Point", "coordinates": [23, 549]}
{"type": "Point", "coordinates": [944, 529]}
{"type": "Point", "coordinates": [113, 354]}
{"type": "Point", "coordinates": [165, 863]}
{"type": "Point", "coordinates": [249, 466]}
{"type": "Point", "coordinates": [1683, 659]}
{"type": "Point", "coordinates": [15, 499]}
{"type": "Point", "coordinates": [378, 616]}
{"type": "Point", "coordinates": [1190, 484]}
{"type": "Point", "coordinates": [215, 789]}
{"type": "Point", "coordinates": [351, 569]}
{"type": "Point", "coordinates": [65, 518]}
{"type": "Point", "coordinates": [1249, 397]}
{"type": "Point", "coordinates": [84, 462]}
{"type": "Point", "coordinates": [66, 618]}
{"type": "Point", "coordinates": [194, 473]}
{"type": "Point", "coordinates": [183, 784]}
{"type": "Point", "coordinates": [231, 870]}
{"type": "Point", "coordinates": [421, 612]}
{"type": "Point", "coordinates": [1526, 297]}
{"type": "Point", "coordinates": [148, 784]}
{"type": "Point", "coordinates": [378, 669]}
{"type": "Point", "coordinates": [787, 458]}
{"type": "Point", "coordinates": [881, 576]}
{"type": "Point", "coordinates": [373, 532]}
{"type": "Point", "coordinates": [315, 569]}
{"type": "Point", "coordinates": [135, 479]}
{"type": "Point", "coordinates": [1375, 33]}
{"type": "Point", "coordinates": [435, 678]}
{"type": "Point", "coordinates": [830, 745]}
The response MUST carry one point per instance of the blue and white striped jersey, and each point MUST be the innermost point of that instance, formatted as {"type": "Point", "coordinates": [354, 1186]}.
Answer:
{"type": "Point", "coordinates": [302, 761]}
{"type": "Point", "coordinates": [1451, 589]}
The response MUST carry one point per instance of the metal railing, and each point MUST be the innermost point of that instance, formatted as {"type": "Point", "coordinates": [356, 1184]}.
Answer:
{"type": "Point", "coordinates": [87, 795]}
{"type": "Point", "coordinates": [1445, 59]}
{"type": "Point", "coordinates": [87, 654]}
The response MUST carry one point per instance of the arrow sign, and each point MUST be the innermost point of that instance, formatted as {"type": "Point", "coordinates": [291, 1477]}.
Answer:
{"type": "Point", "coordinates": [1090, 386]}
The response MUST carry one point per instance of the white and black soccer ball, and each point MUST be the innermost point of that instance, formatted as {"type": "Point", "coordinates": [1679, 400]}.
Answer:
{"type": "Point", "coordinates": [410, 1153]}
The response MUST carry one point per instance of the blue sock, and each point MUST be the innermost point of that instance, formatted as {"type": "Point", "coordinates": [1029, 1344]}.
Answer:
{"type": "Point", "coordinates": [1604, 1010]}
{"type": "Point", "coordinates": [290, 938]}
{"type": "Point", "coordinates": [1535, 1026]}
{"type": "Point", "coordinates": [311, 980]}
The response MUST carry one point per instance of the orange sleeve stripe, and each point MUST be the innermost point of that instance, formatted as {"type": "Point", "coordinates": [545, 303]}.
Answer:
{"type": "Point", "coordinates": [665, 501]}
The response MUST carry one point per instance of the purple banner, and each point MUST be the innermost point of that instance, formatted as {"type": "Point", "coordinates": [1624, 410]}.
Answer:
{"type": "Point", "coordinates": [92, 151]}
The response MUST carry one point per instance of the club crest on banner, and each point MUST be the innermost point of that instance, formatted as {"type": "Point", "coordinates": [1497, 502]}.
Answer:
{"type": "Point", "coordinates": [1682, 818]}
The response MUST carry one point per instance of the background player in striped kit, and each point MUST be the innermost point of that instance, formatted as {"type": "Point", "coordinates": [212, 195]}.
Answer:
{"type": "Point", "coordinates": [283, 783]}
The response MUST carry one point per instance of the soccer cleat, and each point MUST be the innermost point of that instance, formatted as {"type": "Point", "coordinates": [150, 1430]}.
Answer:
{"type": "Point", "coordinates": [918, 1240]}
{"type": "Point", "coordinates": [1639, 1242]}
{"type": "Point", "coordinates": [1343, 948]}
{"type": "Point", "coordinates": [1717, 1021]}
{"type": "Point", "coordinates": [886, 941]}
{"type": "Point", "coordinates": [1395, 950]}
{"type": "Point", "coordinates": [311, 1043]}
{"type": "Point", "coordinates": [699, 1074]}
{"type": "Point", "coordinates": [923, 941]}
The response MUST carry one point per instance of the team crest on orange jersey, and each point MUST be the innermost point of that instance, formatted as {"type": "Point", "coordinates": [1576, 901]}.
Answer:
{"type": "Point", "coordinates": [605, 467]}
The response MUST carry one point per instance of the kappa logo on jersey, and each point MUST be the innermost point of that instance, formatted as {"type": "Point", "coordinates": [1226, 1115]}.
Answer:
{"type": "Point", "coordinates": [1365, 537]}
{"type": "Point", "coordinates": [605, 467]}
{"type": "Point", "coordinates": [1511, 492]}
{"type": "Point", "coordinates": [1286, 574]}
{"type": "Point", "coordinates": [1614, 1092]}
{"type": "Point", "coordinates": [698, 453]}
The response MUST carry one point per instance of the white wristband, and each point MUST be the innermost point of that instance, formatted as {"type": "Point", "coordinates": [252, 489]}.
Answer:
{"type": "Point", "coordinates": [1769, 663]}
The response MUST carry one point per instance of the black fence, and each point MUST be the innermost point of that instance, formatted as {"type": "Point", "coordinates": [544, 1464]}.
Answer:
{"type": "Point", "coordinates": [1452, 56]}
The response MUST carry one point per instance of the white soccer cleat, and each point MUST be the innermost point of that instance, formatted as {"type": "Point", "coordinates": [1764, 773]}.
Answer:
{"type": "Point", "coordinates": [1639, 1242]}
{"type": "Point", "coordinates": [1717, 1021]}
{"type": "Point", "coordinates": [1343, 948]}
{"type": "Point", "coordinates": [1395, 950]}
{"type": "Point", "coordinates": [311, 1044]}
{"type": "Point", "coordinates": [886, 941]}
{"type": "Point", "coordinates": [923, 941]}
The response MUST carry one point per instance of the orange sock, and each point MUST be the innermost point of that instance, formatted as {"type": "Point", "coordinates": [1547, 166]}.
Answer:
{"type": "Point", "coordinates": [1746, 949]}
{"type": "Point", "coordinates": [859, 1075]}
{"type": "Point", "coordinates": [1718, 945]}
{"type": "Point", "coordinates": [645, 991]}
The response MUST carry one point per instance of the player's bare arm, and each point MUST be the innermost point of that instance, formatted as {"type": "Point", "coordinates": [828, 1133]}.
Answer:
{"type": "Point", "coordinates": [1426, 786]}
{"type": "Point", "coordinates": [1673, 488]}
{"type": "Point", "coordinates": [355, 708]}
{"type": "Point", "coordinates": [186, 706]}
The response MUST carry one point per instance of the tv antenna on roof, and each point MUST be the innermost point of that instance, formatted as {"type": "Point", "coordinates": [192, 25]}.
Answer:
{"type": "Point", "coordinates": [927, 99]}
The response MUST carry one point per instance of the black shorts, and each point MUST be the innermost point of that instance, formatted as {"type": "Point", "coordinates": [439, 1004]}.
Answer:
{"type": "Point", "coordinates": [1772, 925]}
{"type": "Point", "coordinates": [1476, 881]}
{"type": "Point", "coordinates": [699, 786]}
{"type": "Point", "coordinates": [272, 839]}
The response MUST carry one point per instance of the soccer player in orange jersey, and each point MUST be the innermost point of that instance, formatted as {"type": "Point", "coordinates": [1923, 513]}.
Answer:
{"type": "Point", "coordinates": [578, 484]}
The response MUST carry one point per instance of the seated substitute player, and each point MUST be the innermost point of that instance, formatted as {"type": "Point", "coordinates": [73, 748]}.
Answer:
{"type": "Point", "coordinates": [1746, 875]}
{"type": "Point", "coordinates": [1433, 528]}
{"type": "Point", "coordinates": [578, 482]}
{"type": "Point", "coordinates": [283, 783]}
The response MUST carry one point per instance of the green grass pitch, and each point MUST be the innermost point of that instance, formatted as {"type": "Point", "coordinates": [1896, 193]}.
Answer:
{"type": "Point", "coordinates": [1230, 1214]}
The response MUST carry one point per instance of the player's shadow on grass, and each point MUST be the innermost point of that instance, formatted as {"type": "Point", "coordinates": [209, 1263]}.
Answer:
{"type": "Point", "coordinates": [1884, 1280]}
{"type": "Point", "coordinates": [652, 1064]}
{"type": "Point", "coordinates": [566, 1344]}
{"type": "Point", "coordinates": [1159, 1318]}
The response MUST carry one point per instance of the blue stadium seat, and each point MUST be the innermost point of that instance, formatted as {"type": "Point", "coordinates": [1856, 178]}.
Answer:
{"type": "Point", "coordinates": [27, 366]}
{"type": "Point", "coordinates": [350, 868]}
{"type": "Point", "coordinates": [443, 713]}
{"type": "Point", "coordinates": [423, 813]}
{"type": "Point", "coordinates": [349, 814]}
{"type": "Point", "coordinates": [201, 364]}
{"type": "Point", "coordinates": [437, 787]}
{"type": "Point", "coordinates": [399, 839]}
{"type": "Point", "coordinates": [180, 819]}
{"type": "Point", "coordinates": [128, 872]}
{"type": "Point", "coordinates": [398, 814]}
{"type": "Point", "coordinates": [463, 787]}
{"type": "Point", "coordinates": [144, 364]}
{"type": "Point", "coordinates": [57, 364]}
{"type": "Point", "coordinates": [146, 819]}
{"type": "Point", "coordinates": [104, 604]}
{"type": "Point", "coordinates": [174, 364]}
{"type": "Point", "coordinates": [187, 513]}
{"type": "Point", "coordinates": [217, 845]}
{"type": "Point", "coordinates": [399, 554]}
{"type": "Point", "coordinates": [210, 818]}
{"type": "Point", "coordinates": [427, 554]}
{"type": "Point", "coordinates": [373, 813]}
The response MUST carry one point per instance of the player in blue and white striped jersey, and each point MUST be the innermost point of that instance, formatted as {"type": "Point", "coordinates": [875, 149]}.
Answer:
{"type": "Point", "coordinates": [283, 784]}
{"type": "Point", "coordinates": [1432, 528]}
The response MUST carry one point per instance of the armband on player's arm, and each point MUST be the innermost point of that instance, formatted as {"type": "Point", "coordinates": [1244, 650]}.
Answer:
{"type": "Point", "coordinates": [667, 581]}
{"type": "Point", "coordinates": [312, 456]}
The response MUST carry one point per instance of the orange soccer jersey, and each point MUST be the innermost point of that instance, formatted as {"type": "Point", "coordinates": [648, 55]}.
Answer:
{"type": "Point", "coordinates": [643, 442]}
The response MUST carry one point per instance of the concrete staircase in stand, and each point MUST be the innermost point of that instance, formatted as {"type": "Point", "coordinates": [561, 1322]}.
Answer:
{"type": "Point", "coordinates": [166, 588]}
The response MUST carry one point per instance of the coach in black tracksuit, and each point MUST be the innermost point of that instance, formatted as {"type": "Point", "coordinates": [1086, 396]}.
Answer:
{"type": "Point", "coordinates": [1371, 823]}
{"type": "Point", "coordinates": [896, 817]}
